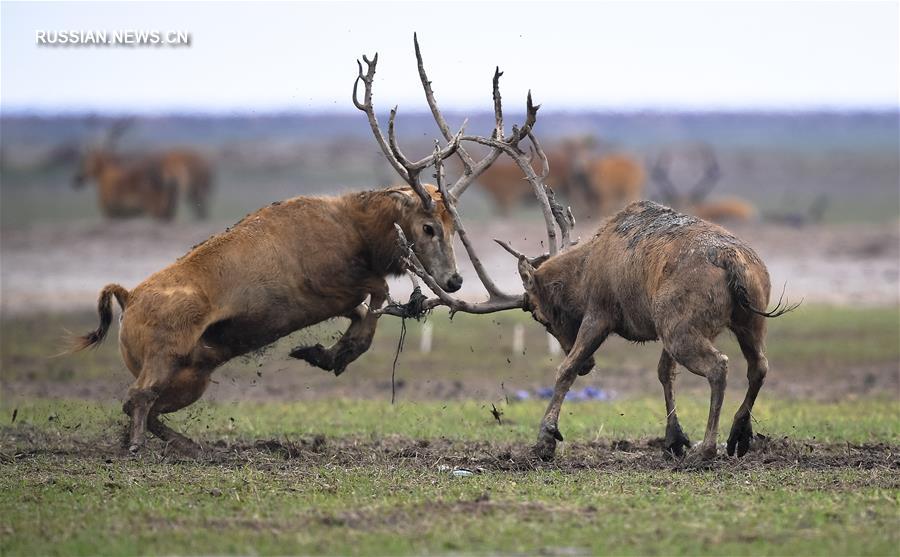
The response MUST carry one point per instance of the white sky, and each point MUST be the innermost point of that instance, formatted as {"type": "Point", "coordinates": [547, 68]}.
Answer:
{"type": "Point", "coordinates": [301, 56]}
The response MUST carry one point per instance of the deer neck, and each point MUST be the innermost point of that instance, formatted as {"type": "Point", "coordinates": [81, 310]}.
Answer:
{"type": "Point", "coordinates": [557, 289]}
{"type": "Point", "coordinates": [376, 214]}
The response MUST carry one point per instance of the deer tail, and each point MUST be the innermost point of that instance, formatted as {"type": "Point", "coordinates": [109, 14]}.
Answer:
{"type": "Point", "coordinates": [104, 308]}
{"type": "Point", "coordinates": [737, 283]}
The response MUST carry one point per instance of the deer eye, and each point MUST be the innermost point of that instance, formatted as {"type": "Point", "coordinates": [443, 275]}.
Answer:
{"type": "Point", "coordinates": [429, 230]}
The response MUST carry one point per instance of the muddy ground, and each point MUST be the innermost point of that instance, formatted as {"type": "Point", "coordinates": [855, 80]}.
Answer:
{"type": "Point", "coordinates": [23, 443]}
{"type": "Point", "coordinates": [61, 266]}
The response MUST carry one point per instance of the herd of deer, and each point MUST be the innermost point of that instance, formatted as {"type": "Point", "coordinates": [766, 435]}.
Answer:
{"type": "Point", "coordinates": [649, 273]}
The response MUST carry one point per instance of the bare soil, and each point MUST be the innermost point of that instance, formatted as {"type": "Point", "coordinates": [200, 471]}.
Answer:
{"type": "Point", "coordinates": [20, 444]}
{"type": "Point", "coordinates": [62, 266]}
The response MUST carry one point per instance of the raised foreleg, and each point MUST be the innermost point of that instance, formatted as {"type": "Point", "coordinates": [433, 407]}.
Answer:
{"type": "Point", "coordinates": [352, 344]}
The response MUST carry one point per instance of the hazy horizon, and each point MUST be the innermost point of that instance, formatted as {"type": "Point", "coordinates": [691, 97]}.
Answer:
{"type": "Point", "coordinates": [584, 57]}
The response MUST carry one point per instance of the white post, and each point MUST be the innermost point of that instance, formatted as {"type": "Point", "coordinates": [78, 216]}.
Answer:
{"type": "Point", "coordinates": [518, 346]}
{"type": "Point", "coordinates": [553, 345]}
{"type": "Point", "coordinates": [425, 339]}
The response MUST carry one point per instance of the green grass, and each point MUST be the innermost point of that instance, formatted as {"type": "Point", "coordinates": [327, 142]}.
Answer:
{"type": "Point", "coordinates": [818, 343]}
{"type": "Point", "coordinates": [68, 503]}
{"type": "Point", "coordinates": [126, 509]}
{"type": "Point", "coordinates": [855, 421]}
{"type": "Point", "coordinates": [66, 489]}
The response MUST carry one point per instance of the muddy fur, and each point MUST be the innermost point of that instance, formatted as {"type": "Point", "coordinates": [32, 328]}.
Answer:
{"type": "Point", "coordinates": [651, 273]}
{"type": "Point", "coordinates": [283, 268]}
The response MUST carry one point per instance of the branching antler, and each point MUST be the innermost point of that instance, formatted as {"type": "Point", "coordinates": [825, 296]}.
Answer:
{"type": "Point", "coordinates": [407, 169]}
{"type": "Point", "coordinates": [555, 216]}
{"type": "Point", "coordinates": [115, 132]}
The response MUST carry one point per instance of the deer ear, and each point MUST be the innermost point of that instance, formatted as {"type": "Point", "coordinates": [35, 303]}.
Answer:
{"type": "Point", "coordinates": [526, 272]}
{"type": "Point", "coordinates": [403, 197]}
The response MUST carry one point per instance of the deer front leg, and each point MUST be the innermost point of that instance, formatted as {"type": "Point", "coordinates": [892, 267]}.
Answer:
{"type": "Point", "coordinates": [591, 335]}
{"type": "Point", "coordinates": [352, 344]}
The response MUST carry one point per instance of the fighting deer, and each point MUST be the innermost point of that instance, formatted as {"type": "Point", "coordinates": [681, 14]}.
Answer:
{"type": "Point", "coordinates": [293, 264]}
{"type": "Point", "coordinates": [649, 273]}
{"type": "Point", "coordinates": [724, 210]}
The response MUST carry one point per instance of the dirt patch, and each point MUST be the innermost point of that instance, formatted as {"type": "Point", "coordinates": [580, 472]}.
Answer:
{"type": "Point", "coordinates": [853, 264]}
{"type": "Point", "coordinates": [444, 455]}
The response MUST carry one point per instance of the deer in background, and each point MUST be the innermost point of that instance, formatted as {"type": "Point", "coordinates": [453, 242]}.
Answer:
{"type": "Point", "coordinates": [606, 181]}
{"type": "Point", "coordinates": [601, 182]}
{"type": "Point", "coordinates": [126, 187]}
{"type": "Point", "coordinates": [723, 210]}
{"type": "Point", "coordinates": [132, 185]}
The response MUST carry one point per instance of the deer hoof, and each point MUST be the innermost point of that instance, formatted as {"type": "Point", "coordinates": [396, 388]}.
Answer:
{"type": "Point", "coordinates": [676, 440]}
{"type": "Point", "coordinates": [545, 449]}
{"type": "Point", "coordinates": [741, 434]}
{"type": "Point", "coordinates": [316, 356]}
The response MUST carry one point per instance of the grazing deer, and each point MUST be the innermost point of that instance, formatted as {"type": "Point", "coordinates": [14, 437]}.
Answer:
{"type": "Point", "coordinates": [291, 265]}
{"type": "Point", "coordinates": [722, 210]}
{"type": "Point", "coordinates": [649, 273]}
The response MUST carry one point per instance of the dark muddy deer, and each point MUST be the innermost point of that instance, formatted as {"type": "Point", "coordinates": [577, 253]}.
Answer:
{"type": "Point", "coordinates": [288, 266]}
{"type": "Point", "coordinates": [649, 273]}
{"type": "Point", "coordinates": [729, 209]}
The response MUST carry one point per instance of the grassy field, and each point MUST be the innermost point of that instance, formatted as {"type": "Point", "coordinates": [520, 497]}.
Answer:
{"type": "Point", "coordinates": [296, 461]}
{"type": "Point", "coordinates": [357, 477]}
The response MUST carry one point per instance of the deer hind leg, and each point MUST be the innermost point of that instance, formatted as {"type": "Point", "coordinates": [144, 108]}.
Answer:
{"type": "Point", "coordinates": [698, 355]}
{"type": "Point", "coordinates": [187, 386]}
{"type": "Point", "coordinates": [591, 335]}
{"type": "Point", "coordinates": [352, 344]}
{"type": "Point", "coordinates": [752, 346]}
{"type": "Point", "coordinates": [154, 377]}
{"type": "Point", "coordinates": [676, 440]}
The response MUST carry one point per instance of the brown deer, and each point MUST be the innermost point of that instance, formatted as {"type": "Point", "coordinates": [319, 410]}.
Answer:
{"type": "Point", "coordinates": [612, 180]}
{"type": "Point", "coordinates": [127, 188]}
{"type": "Point", "coordinates": [505, 184]}
{"type": "Point", "coordinates": [192, 175]}
{"type": "Point", "coordinates": [730, 209]}
{"type": "Point", "coordinates": [649, 273]}
{"type": "Point", "coordinates": [288, 266]}
{"type": "Point", "coordinates": [602, 182]}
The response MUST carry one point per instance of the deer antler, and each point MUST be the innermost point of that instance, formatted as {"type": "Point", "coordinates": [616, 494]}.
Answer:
{"type": "Point", "coordinates": [698, 192]}
{"type": "Point", "coordinates": [711, 175]}
{"type": "Point", "coordinates": [660, 175]}
{"type": "Point", "coordinates": [407, 169]}
{"type": "Point", "coordinates": [500, 144]}
{"type": "Point", "coordinates": [115, 132]}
